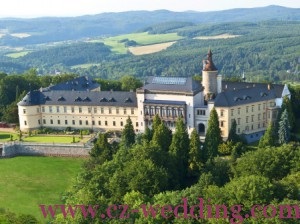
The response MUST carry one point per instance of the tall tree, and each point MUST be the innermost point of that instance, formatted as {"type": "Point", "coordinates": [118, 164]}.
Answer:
{"type": "Point", "coordinates": [156, 122]}
{"type": "Point", "coordinates": [284, 128]}
{"type": "Point", "coordinates": [269, 138]}
{"type": "Point", "coordinates": [195, 155]}
{"type": "Point", "coordinates": [128, 134]}
{"type": "Point", "coordinates": [179, 149]}
{"type": "Point", "coordinates": [233, 136]}
{"type": "Point", "coordinates": [286, 104]}
{"type": "Point", "coordinates": [162, 137]}
{"type": "Point", "coordinates": [213, 136]}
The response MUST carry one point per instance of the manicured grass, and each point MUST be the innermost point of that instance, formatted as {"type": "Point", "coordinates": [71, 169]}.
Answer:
{"type": "Point", "coordinates": [5, 136]}
{"type": "Point", "coordinates": [27, 182]}
{"type": "Point", "coordinates": [53, 139]}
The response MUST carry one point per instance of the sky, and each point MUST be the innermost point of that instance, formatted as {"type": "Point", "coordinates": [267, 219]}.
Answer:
{"type": "Point", "coordinates": [67, 8]}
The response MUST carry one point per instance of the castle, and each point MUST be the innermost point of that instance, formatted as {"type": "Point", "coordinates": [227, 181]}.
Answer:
{"type": "Point", "coordinates": [80, 104]}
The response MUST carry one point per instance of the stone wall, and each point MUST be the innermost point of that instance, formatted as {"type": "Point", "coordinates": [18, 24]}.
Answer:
{"type": "Point", "coordinates": [33, 149]}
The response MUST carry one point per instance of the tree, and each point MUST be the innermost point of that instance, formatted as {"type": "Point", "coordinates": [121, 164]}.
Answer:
{"type": "Point", "coordinates": [269, 138]}
{"type": "Point", "coordinates": [284, 128]}
{"type": "Point", "coordinates": [179, 149]}
{"type": "Point", "coordinates": [213, 136]}
{"type": "Point", "coordinates": [233, 136]}
{"type": "Point", "coordinates": [147, 135]}
{"type": "Point", "coordinates": [130, 83]}
{"type": "Point", "coordinates": [128, 134]}
{"type": "Point", "coordinates": [101, 149]}
{"type": "Point", "coordinates": [286, 104]}
{"type": "Point", "coordinates": [156, 122]}
{"type": "Point", "coordinates": [162, 137]}
{"type": "Point", "coordinates": [195, 155]}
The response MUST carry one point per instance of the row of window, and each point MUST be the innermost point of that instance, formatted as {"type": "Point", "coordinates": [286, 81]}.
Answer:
{"type": "Point", "coordinates": [271, 104]}
{"type": "Point", "coordinates": [247, 128]}
{"type": "Point", "coordinates": [80, 122]}
{"type": "Point", "coordinates": [64, 109]}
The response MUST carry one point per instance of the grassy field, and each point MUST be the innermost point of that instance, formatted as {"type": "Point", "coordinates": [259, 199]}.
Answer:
{"type": "Point", "coordinates": [17, 54]}
{"type": "Point", "coordinates": [27, 182]}
{"type": "Point", "coordinates": [54, 139]}
{"type": "Point", "coordinates": [141, 39]}
{"type": "Point", "coordinates": [5, 136]}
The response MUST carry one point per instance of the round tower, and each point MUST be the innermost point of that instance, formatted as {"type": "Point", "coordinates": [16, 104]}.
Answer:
{"type": "Point", "coordinates": [211, 81]}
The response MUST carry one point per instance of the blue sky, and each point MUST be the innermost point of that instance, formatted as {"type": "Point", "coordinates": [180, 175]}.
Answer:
{"type": "Point", "coordinates": [38, 8]}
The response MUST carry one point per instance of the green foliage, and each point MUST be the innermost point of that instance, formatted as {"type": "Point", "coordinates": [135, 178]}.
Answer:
{"type": "Point", "coordinates": [287, 105]}
{"type": "Point", "coordinates": [130, 83]}
{"type": "Point", "coordinates": [162, 136]}
{"type": "Point", "coordinates": [284, 128]}
{"type": "Point", "coordinates": [269, 138]}
{"type": "Point", "coordinates": [7, 217]}
{"type": "Point", "coordinates": [233, 136]}
{"type": "Point", "coordinates": [195, 161]}
{"type": "Point", "coordinates": [179, 150]}
{"type": "Point", "coordinates": [213, 136]}
{"type": "Point", "coordinates": [128, 134]}
{"type": "Point", "coordinates": [274, 162]}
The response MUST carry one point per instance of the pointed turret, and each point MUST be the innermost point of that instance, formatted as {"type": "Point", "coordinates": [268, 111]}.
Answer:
{"type": "Point", "coordinates": [208, 64]}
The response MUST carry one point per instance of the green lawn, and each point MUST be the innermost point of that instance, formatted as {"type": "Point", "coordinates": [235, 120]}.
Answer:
{"type": "Point", "coordinates": [17, 54]}
{"type": "Point", "coordinates": [5, 136]}
{"type": "Point", "coordinates": [27, 182]}
{"type": "Point", "coordinates": [53, 139]}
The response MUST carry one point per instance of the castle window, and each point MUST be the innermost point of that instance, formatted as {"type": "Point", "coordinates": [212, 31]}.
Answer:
{"type": "Point", "coordinates": [43, 109]}
{"type": "Point", "coordinates": [252, 108]}
{"type": "Point", "coordinates": [247, 119]}
{"type": "Point", "coordinates": [239, 121]}
{"type": "Point", "coordinates": [247, 109]}
{"type": "Point", "coordinates": [65, 109]}
{"type": "Point", "coordinates": [258, 116]}
{"type": "Point", "coordinates": [109, 110]}
{"type": "Point", "coordinates": [73, 122]}
{"type": "Point", "coordinates": [66, 122]}
{"type": "Point", "coordinates": [232, 112]}
{"type": "Point", "coordinates": [80, 110]}
{"type": "Point", "coordinates": [132, 111]}
{"type": "Point", "coordinates": [39, 121]}
{"type": "Point", "coordinates": [89, 110]}
{"type": "Point", "coordinates": [125, 111]}
{"type": "Point", "coordinates": [57, 109]}
{"type": "Point", "coordinates": [121, 123]}
{"type": "Point", "coordinates": [201, 112]}
{"type": "Point", "coordinates": [99, 123]}
{"type": "Point", "coordinates": [24, 111]}
{"type": "Point", "coordinates": [72, 109]}
{"type": "Point", "coordinates": [51, 121]}
{"type": "Point", "coordinates": [95, 110]}
{"type": "Point", "coordinates": [222, 123]}
{"type": "Point", "coordinates": [114, 123]}
{"type": "Point", "coordinates": [252, 118]}
{"type": "Point", "coordinates": [50, 109]}
{"type": "Point", "coordinates": [86, 122]}
{"type": "Point", "coordinates": [239, 110]}
{"type": "Point", "coordinates": [80, 122]}
{"type": "Point", "coordinates": [105, 123]}
{"type": "Point", "coordinates": [25, 122]}
{"type": "Point", "coordinates": [117, 110]}
{"type": "Point", "coordinates": [58, 121]}
{"type": "Point", "coordinates": [44, 121]}
{"type": "Point", "coordinates": [258, 106]}
{"type": "Point", "coordinates": [93, 122]}
{"type": "Point", "coordinates": [222, 113]}
{"type": "Point", "coordinates": [102, 110]}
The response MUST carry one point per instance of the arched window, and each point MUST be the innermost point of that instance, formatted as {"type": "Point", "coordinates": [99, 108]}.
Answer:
{"type": "Point", "coordinates": [201, 129]}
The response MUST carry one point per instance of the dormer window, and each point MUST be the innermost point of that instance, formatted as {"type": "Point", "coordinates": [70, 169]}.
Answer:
{"type": "Point", "coordinates": [61, 98]}
{"type": "Point", "coordinates": [78, 99]}
{"type": "Point", "coordinates": [112, 100]}
{"type": "Point", "coordinates": [87, 99]}
{"type": "Point", "coordinates": [103, 99]}
{"type": "Point", "coordinates": [128, 100]}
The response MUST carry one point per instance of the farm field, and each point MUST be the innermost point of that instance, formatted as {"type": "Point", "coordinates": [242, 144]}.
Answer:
{"type": "Point", "coordinates": [140, 38]}
{"type": "Point", "coordinates": [149, 49]}
{"type": "Point", "coordinates": [27, 182]}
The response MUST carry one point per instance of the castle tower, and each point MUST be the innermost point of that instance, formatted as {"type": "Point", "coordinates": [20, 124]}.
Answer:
{"type": "Point", "coordinates": [211, 81]}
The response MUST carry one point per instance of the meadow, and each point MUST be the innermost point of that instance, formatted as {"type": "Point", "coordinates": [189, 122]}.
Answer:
{"type": "Point", "coordinates": [27, 182]}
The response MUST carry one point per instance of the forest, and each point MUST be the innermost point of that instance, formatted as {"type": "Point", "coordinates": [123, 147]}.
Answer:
{"type": "Point", "coordinates": [161, 168]}
{"type": "Point", "coordinates": [264, 51]}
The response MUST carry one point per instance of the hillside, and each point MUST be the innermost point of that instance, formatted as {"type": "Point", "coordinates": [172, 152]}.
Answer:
{"type": "Point", "coordinates": [20, 32]}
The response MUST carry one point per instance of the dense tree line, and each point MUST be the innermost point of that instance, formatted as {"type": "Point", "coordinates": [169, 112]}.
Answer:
{"type": "Point", "coordinates": [159, 167]}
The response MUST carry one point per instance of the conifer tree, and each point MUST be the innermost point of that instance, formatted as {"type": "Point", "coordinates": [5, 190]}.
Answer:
{"type": "Point", "coordinates": [156, 122]}
{"type": "Point", "coordinates": [128, 134]}
{"type": "Point", "coordinates": [147, 135]}
{"type": "Point", "coordinates": [269, 138]}
{"type": "Point", "coordinates": [179, 149]}
{"type": "Point", "coordinates": [284, 128]}
{"type": "Point", "coordinates": [286, 104]}
{"type": "Point", "coordinates": [195, 155]}
{"type": "Point", "coordinates": [233, 136]}
{"type": "Point", "coordinates": [213, 136]}
{"type": "Point", "coordinates": [162, 137]}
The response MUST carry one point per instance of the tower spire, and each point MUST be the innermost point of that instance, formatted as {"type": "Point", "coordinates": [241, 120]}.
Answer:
{"type": "Point", "coordinates": [208, 64]}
